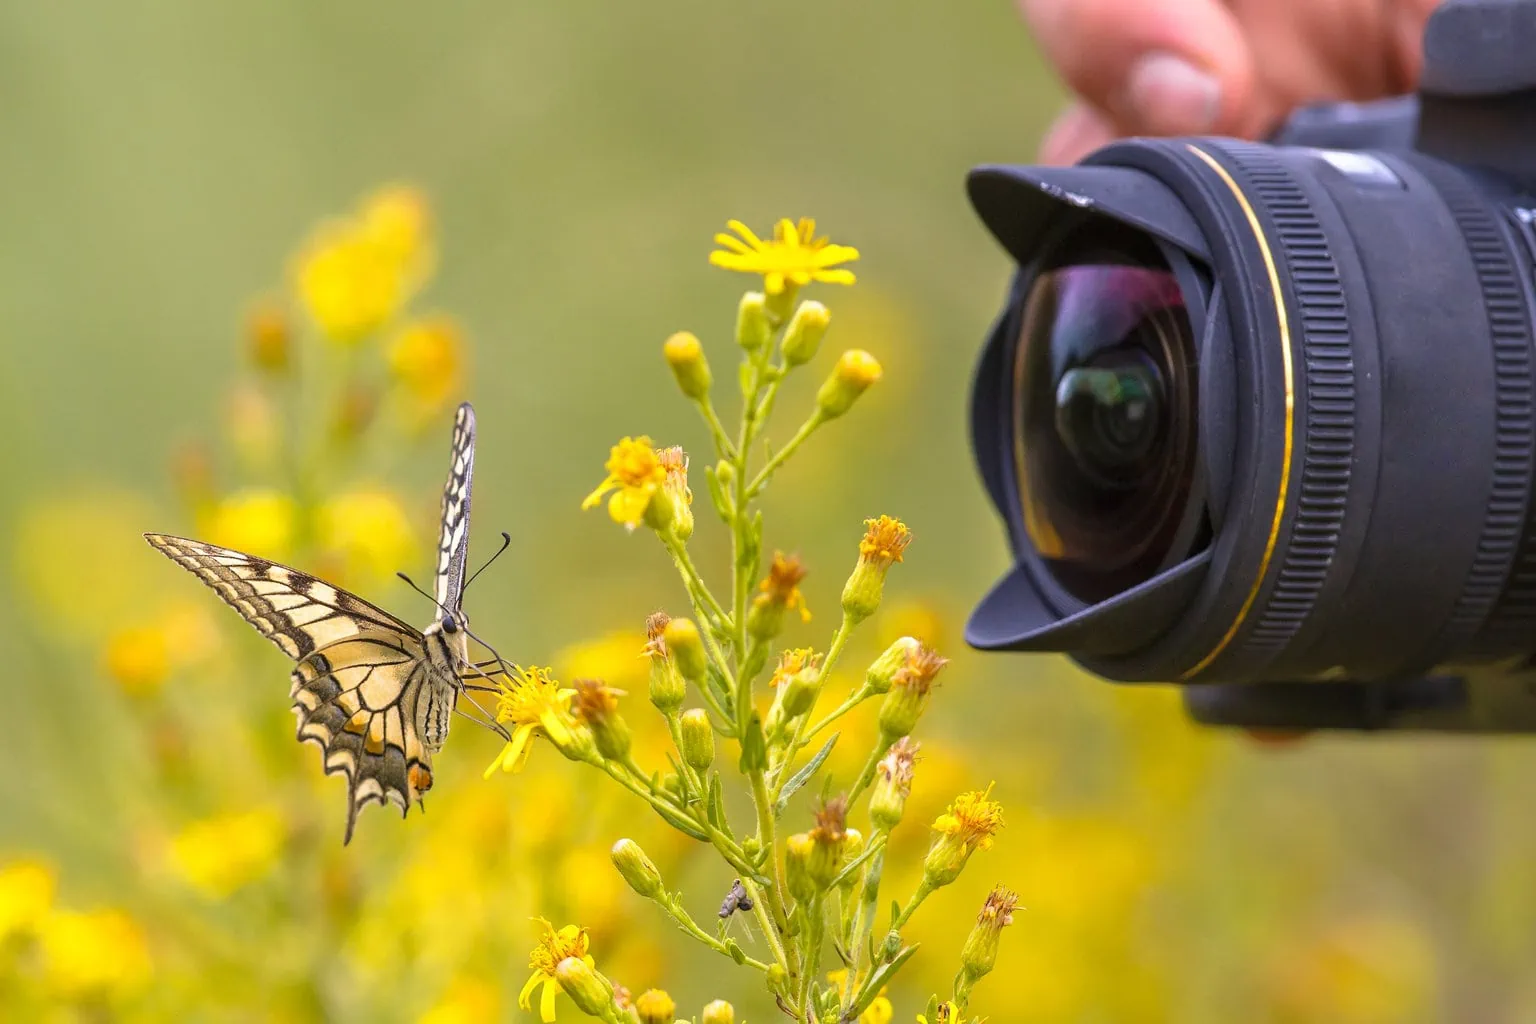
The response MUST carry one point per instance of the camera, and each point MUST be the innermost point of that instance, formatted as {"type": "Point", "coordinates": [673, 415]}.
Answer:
{"type": "Point", "coordinates": [1260, 418]}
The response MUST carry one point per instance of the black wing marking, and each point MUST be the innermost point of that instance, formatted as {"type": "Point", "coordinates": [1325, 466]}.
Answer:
{"type": "Point", "coordinates": [358, 700]}
{"type": "Point", "coordinates": [294, 610]}
{"type": "Point", "coordinates": [453, 540]}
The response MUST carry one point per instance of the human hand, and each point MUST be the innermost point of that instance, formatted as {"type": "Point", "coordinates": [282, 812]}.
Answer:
{"type": "Point", "coordinates": [1217, 67]}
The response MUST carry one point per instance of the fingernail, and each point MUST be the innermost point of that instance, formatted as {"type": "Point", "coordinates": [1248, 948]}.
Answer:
{"type": "Point", "coordinates": [1170, 96]}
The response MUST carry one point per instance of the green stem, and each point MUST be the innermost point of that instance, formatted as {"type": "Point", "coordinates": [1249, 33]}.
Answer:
{"type": "Point", "coordinates": [723, 446]}
{"type": "Point", "coordinates": [765, 921]}
{"type": "Point", "coordinates": [815, 934]}
{"type": "Point", "coordinates": [923, 890]}
{"type": "Point", "coordinates": [864, 914]}
{"type": "Point", "coordinates": [698, 590]}
{"type": "Point", "coordinates": [685, 921]}
{"type": "Point", "coordinates": [834, 652]}
{"type": "Point", "coordinates": [867, 775]}
{"type": "Point", "coordinates": [856, 698]}
{"type": "Point", "coordinates": [693, 787]}
{"type": "Point", "coordinates": [782, 455]}
{"type": "Point", "coordinates": [767, 839]}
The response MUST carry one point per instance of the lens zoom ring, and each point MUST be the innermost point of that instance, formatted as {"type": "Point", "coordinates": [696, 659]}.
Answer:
{"type": "Point", "coordinates": [1500, 589]}
{"type": "Point", "coordinates": [1325, 370]}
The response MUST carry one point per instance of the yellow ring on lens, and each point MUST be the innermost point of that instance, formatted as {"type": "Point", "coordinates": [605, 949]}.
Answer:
{"type": "Point", "coordinates": [1290, 410]}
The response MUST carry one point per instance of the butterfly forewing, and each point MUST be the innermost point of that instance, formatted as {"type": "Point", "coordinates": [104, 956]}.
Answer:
{"type": "Point", "coordinates": [453, 541]}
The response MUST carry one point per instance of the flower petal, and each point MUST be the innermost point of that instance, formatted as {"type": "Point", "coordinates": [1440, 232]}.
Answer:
{"type": "Point", "coordinates": [523, 999]}
{"type": "Point", "coordinates": [628, 505]}
{"type": "Point", "coordinates": [732, 243]}
{"type": "Point", "coordinates": [745, 232]}
{"type": "Point", "coordinates": [547, 1002]}
{"type": "Point", "coordinates": [592, 500]}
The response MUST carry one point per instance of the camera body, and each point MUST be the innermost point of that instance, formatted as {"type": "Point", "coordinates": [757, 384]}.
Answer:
{"type": "Point", "coordinates": [1260, 418]}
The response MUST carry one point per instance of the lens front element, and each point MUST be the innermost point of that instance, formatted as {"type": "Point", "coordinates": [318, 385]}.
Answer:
{"type": "Point", "coordinates": [1106, 417]}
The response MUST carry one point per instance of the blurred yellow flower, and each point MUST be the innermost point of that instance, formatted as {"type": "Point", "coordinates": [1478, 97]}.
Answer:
{"type": "Point", "coordinates": [268, 335]}
{"type": "Point", "coordinates": [879, 1011]}
{"type": "Point", "coordinates": [655, 1006]}
{"type": "Point", "coordinates": [219, 855]}
{"type": "Point", "coordinates": [948, 1013]}
{"type": "Point", "coordinates": [534, 702]}
{"type": "Point", "coordinates": [426, 359]}
{"type": "Point", "coordinates": [782, 584]}
{"type": "Point", "coordinates": [257, 521]}
{"type": "Point", "coordinates": [367, 531]}
{"type": "Point", "coordinates": [100, 953]}
{"type": "Point", "coordinates": [1366, 970]}
{"type": "Point", "coordinates": [553, 946]}
{"type": "Point", "coordinates": [26, 896]}
{"type": "Point", "coordinates": [138, 660]}
{"type": "Point", "coordinates": [252, 423]}
{"type": "Point", "coordinates": [354, 274]}
{"type": "Point", "coordinates": [635, 473]}
{"type": "Point", "coordinates": [794, 255]}
{"type": "Point", "coordinates": [913, 618]}
{"type": "Point", "coordinates": [610, 657]}
{"type": "Point", "coordinates": [466, 1001]}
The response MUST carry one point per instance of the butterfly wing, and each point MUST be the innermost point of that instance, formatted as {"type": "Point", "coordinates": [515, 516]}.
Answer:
{"type": "Point", "coordinates": [453, 541]}
{"type": "Point", "coordinates": [360, 675]}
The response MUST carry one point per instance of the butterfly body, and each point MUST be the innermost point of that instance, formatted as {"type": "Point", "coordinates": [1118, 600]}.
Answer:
{"type": "Point", "coordinates": [375, 693]}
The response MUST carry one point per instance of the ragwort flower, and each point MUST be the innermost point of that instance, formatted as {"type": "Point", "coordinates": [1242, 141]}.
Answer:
{"type": "Point", "coordinates": [635, 475]}
{"type": "Point", "coordinates": [553, 947]}
{"type": "Point", "coordinates": [967, 826]}
{"type": "Point", "coordinates": [793, 256]}
{"type": "Point", "coordinates": [534, 703]}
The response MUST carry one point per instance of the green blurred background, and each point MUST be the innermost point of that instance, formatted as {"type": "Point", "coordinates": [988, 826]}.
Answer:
{"type": "Point", "coordinates": [162, 161]}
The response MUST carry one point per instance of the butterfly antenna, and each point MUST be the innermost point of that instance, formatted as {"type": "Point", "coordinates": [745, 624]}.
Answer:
{"type": "Point", "coordinates": [506, 542]}
{"type": "Point", "coordinates": [412, 584]}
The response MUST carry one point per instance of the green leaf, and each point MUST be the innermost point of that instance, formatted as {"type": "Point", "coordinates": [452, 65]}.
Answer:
{"type": "Point", "coordinates": [734, 950]}
{"type": "Point", "coordinates": [754, 746]}
{"type": "Point", "coordinates": [798, 780]}
{"type": "Point", "coordinates": [748, 379]}
{"type": "Point", "coordinates": [682, 824]}
{"type": "Point", "coordinates": [716, 804]}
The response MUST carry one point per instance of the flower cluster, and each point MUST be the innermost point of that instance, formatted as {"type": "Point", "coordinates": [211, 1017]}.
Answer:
{"type": "Point", "coordinates": [806, 893]}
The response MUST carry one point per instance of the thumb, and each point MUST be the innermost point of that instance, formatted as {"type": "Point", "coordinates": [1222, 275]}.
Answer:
{"type": "Point", "coordinates": [1154, 67]}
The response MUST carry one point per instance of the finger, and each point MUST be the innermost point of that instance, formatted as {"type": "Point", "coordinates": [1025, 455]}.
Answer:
{"type": "Point", "coordinates": [1077, 132]}
{"type": "Point", "coordinates": [1157, 67]}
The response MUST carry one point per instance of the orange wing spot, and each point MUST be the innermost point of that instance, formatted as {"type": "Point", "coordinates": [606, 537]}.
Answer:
{"type": "Point", "coordinates": [374, 744]}
{"type": "Point", "coordinates": [420, 778]}
{"type": "Point", "coordinates": [358, 723]}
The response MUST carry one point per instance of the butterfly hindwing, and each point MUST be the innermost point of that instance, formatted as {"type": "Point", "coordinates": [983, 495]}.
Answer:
{"type": "Point", "coordinates": [453, 540]}
{"type": "Point", "coordinates": [358, 700]}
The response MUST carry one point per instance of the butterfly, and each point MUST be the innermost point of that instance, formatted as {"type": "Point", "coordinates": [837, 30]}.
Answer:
{"type": "Point", "coordinates": [374, 693]}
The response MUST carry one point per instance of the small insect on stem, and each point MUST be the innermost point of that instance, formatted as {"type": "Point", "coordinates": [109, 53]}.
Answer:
{"type": "Point", "coordinates": [736, 899]}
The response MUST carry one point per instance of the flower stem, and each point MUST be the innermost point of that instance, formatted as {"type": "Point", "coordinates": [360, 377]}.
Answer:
{"type": "Point", "coordinates": [686, 922]}
{"type": "Point", "coordinates": [780, 457]}
{"type": "Point", "coordinates": [855, 698]}
{"type": "Point", "coordinates": [815, 934]}
{"type": "Point", "coordinates": [775, 894]}
{"type": "Point", "coordinates": [698, 590]}
{"type": "Point", "coordinates": [923, 890]}
{"type": "Point", "coordinates": [834, 652]}
{"type": "Point", "coordinates": [723, 446]}
{"type": "Point", "coordinates": [867, 775]}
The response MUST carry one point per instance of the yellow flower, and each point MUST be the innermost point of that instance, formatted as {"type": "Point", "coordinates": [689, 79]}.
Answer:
{"type": "Point", "coordinates": [780, 592]}
{"type": "Point", "coordinates": [268, 335]}
{"type": "Point", "coordinates": [367, 531]}
{"type": "Point", "coordinates": [553, 946]}
{"type": "Point", "coordinates": [467, 1001]}
{"type": "Point", "coordinates": [535, 703]}
{"type": "Point", "coordinates": [26, 895]}
{"type": "Point", "coordinates": [355, 273]}
{"type": "Point", "coordinates": [427, 361]}
{"type": "Point", "coordinates": [97, 953]}
{"type": "Point", "coordinates": [877, 1012]}
{"type": "Point", "coordinates": [794, 255]}
{"type": "Point", "coordinates": [635, 474]}
{"type": "Point", "coordinates": [255, 432]}
{"type": "Point", "coordinates": [260, 522]}
{"type": "Point", "coordinates": [137, 660]}
{"type": "Point", "coordinates": [610, 657]}
{"type": "Point", "coordinates": [967, 826]}
{"type": "Point", "coordinates": [217, 856]}
{"type": "Point", "coordinates": [884, 541]}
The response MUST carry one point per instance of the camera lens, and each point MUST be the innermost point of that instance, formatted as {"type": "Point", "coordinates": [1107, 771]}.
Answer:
{"type": "Point", "coordinates": [1106, 414]}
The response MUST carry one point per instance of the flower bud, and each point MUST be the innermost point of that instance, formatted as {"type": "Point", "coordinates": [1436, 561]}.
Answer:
{"type": "Point", "coordinates": [885, 540]}
{"type": "Point", "coordinates": [661, 510]}
{"type": "Point", "coordinates": [884, 668]}
{"type": "Point", "coordinates": [798, 852]}
{"type": "Point", "coordinates": [656, 1007]}
{"type": "Point", "coordinates": [675, 462]}
{"type": "Point", "coordinates": [591, 992]}
{"type": "Point", "coordinates": [687, 649]}
{"type": "Point", "coordinates": [578, 744]}
{"type": "Point", "coordinates": [911, 689]}
{"type": "Point", "coordinates": [979, 954]}
{"type": "Point", "coordinates": [753, 327]}
{"type": "Point", "coordinates": [698, 740]}
{"type": "Point", "coordinates": [893, 783]}
{"type": "Point", "coordinates": [856, 370]}
{"type": "Point", "coordinates": [754, 746]}
{"type": "Point", "coordinates": [269, 336]}
{"type": "Point", "coordinates": [780, 593]}
{"type": "Point", "coordinates": [828, 843]}
{"type": "Point", "coordinates": [806, 330]}
{"type": "Point", "coordinates": [853, 845]}
{"type": "Point", "coordinates": [637, 868]}
{"type": "Point", "coordinates": [718, 1012]}
{"type": "Point", "coordinates": [667, 688]}
{"type": "Point", "coordinates": [598, 706]}
{"type": "Point", "coordinates": [686, 357]}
